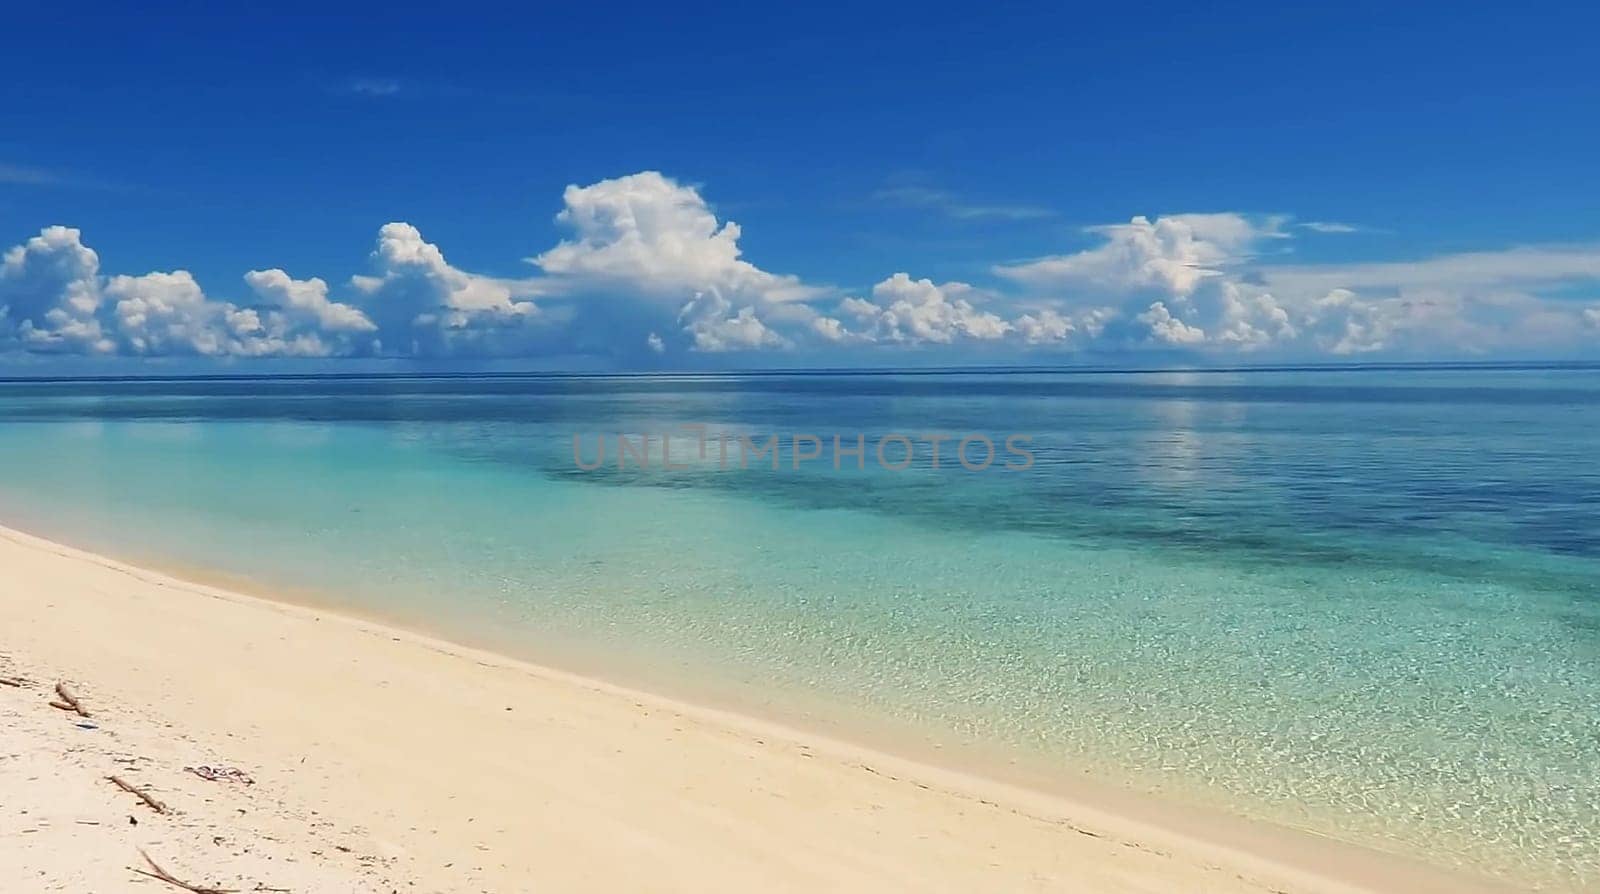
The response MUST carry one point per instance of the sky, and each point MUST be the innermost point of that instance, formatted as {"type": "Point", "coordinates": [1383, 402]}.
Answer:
{"type": "Point", "coordinates": [736, 186]}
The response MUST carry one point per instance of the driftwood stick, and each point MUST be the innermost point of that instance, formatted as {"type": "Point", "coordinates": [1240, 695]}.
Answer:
{"type": "Point", "coordinates": [156, 872]}
{"type": "Point", "coordinates": [68, 702]}
{"type": "Point", "coordinates": [155, 805]}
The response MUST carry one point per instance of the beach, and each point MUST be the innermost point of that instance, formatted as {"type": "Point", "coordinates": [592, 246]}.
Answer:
{"type": "Point", "coordinates": [379, 759]}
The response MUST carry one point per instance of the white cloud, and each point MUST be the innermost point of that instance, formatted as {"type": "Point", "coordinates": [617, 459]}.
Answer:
{"type": "Point", "coordinates": [656, 238]}
{"type": "Point", "coordinates": [296, 317]}
{"type": "Point", "coordinates": [1195, 281]}
{"type": "Point", "coordinates": [1342, 324]}
{"type": "Point", "coordinates": [715, 326]}
{"type": "Point", "coordinates": [830, 330]}
{"type": "Point", "coordinates": [1171, 254]}
{"type": "Point", "coordinates": [1167, 329]}
{"type": "Point", "coordinates": [648, 270]}
{"type": "Point", "coordinates": [165, 314]}
{"type": "Point", "coordinates": [1250, 318]}
{"type": "Point", "coordinates": [50, 294]}
{"type": "Point", "coordinates": [307, 300]}
{"type": "Point", "coordinates": [1178, 279]}
{"type": "Point", "coordinates": [1483, 271]}
{"type": "Point", "coordinates": [54, 299]}
{"type": "Point", "coordinates": [1328, 227]}
{"type": "Point", "coordinates": [647, 253]}
{"type": "Point", "coordinates": [1469, 303]}
{"type": "Point", "coordinates": [860, 308]}
{"type": "Point", "coordinates": [1044, 327]}
{"type": "Point", "coordinates": [911, 312]}
{"type": "Point", "coordinates": [907, 310]}
{"type": "Point", "coordinates": [423, 305]}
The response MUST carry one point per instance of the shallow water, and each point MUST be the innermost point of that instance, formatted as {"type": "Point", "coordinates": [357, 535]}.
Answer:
{"type": "Point", "coordinates": [1362, 602]}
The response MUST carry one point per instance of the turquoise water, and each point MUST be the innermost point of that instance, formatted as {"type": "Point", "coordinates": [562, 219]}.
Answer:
{"type": "Point", "coordinates": [1361, 602]}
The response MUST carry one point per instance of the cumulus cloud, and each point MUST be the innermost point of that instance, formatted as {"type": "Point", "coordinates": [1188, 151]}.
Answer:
{"type": "Point", "coordinates": [307, 300]}
{"type": "Point", "coordinates": [1178, 279]}
{"type": "Point", "coordinates": [830, 330]}
{"type": "Point", "coordinates": [647, 271]}
{"type": "Point", "coordinates": [646, 254]}
{"type": "Point", "coordinates": [1167, 329]}
{"type": "Point", "coordinates": [1342, 324]}
{"type": "Point", "coordinates": [421, 304]}
{"type": "Point", "coordinates": [911, 312]}
{"type": "Point", "coordinates": [296, 317]}
{"type": "Point", "coordinates": [1223, 313]}
{"type": "Point", "coordinates": [714, 325]}
{"type": "Point", "coordinates": [657, 238]}
{"type": "Point", "coordinates": [1199, 282]}
{"type": "Point", "coordinates": [167, 313]}
{"type": "Point", "coordinates": [906, 310]}
{"type": "Point", "coordinates": [1044, 327]}
{"type": "Point", "coordinates": [1251, 318]}
{"type": "Point", "coordinates": [1173, 254]}
{"type": "Point", "coordinates": [1467, 303]}
{"type": "Point", "coordinates": [50, 295]}
{"type": "Point", "coordinates": [53, 299]}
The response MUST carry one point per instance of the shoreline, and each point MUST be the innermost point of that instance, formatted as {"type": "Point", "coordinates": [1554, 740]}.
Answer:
{"type": "Point", "coordinates": [697, 782]}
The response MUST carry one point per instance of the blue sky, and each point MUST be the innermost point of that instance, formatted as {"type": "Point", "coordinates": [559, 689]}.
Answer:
{"type": "Point", "coordinates": [1234, 184]}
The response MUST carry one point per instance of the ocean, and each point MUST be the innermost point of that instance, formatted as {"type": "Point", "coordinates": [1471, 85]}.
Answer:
{"type": "Point", "coordinates": [1364, 602]}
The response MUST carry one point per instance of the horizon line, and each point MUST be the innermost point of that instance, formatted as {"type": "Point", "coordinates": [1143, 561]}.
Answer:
{"type": "Point", "coordinates": [1378, 366]}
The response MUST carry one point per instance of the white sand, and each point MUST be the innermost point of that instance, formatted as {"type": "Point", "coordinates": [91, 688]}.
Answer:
{"type": "Point", "coordinates": [387, 761]}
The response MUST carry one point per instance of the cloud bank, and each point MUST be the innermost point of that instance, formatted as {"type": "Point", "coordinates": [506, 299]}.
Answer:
{"type": "Point", "coordinates": [646, 271]}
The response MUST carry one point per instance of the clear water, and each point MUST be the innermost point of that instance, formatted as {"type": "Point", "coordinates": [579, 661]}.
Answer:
{"type": "Point", "coordinates": [1365, 603]}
